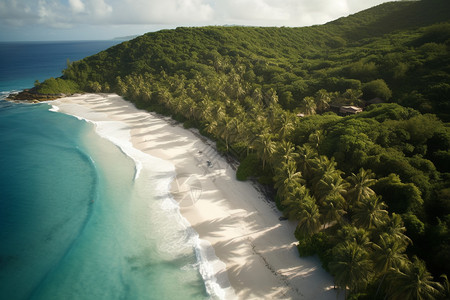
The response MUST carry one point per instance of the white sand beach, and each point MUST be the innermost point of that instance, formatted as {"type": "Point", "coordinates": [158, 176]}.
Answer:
{"type": "Point", "coordinates": [257, 251]}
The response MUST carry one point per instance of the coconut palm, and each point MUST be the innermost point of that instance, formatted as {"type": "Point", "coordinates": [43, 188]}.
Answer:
{"type": "Point", "coordinates": [179, 105]}
{"type": "Point", "coordinates": [351, 266]}
{"type": "Point", "coordinates": [306, 155]}
{"type": "Point", "coordinates": [189, 108]}
{"type": "Point", "coordinates": [332, 210]}
{"type": "Point", "coordinates": [315, 139]}
{"type": "Point", "coordinates": [274, 113]}
{"type": "Point", "coordinates": [370, 213]}
{"type": "Point", "coordinates": [293, 201]}
{"type": "Point", "coordinates": [322, 99]}
{"type": "Point", "coordinates": [412, 281]}
{"type": "Point", "coordinates": [445, 291]}
{"type": "Point", "coordinates": [388, 253]}
{"type": "Point", "coordinates": [205, 109]}
{"type": "Point", "coordinates": [309, 105]}
{"type": "Point", "coordinates": [360, 185]}
{"type": "Point", "coordinates": [331, 185]}
{"type": "Point", "coordinates": [265, 147]}
{"type": "Point", "coordinates": [227, 129]}
{"type": "Point", "coordinates": [349, 233]}
{"type": "Point", "coordinates": [395, 228]}
{"type": "Point", "coordinates": [257, 95]}
{"type": "Point", "coordinates": [270, 97]}
{"type": "Point", "coordinates": [322, 167]}
{"type": "Point", "coordinates": [285, 125]}
{"type": "Point", "coordinates": [285, 152]}
{"type": "Point", "coordinates": [218, 111]}
{"type": "Point", "coordinates": [352, 96]}
{"type": "Point", "coordinates": [287, 178]}
{"type": "Point", "coordinates": [308, 218]}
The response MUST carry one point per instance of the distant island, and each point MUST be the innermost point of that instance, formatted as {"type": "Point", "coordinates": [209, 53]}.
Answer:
{"type": "Point", "coordinates": [125, 38]}
{"type": "Point", "coordinates": [345, 123]}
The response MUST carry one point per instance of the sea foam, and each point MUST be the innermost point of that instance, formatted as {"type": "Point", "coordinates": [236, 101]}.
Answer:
{"type": "Point", "coordinates": [208, 264]}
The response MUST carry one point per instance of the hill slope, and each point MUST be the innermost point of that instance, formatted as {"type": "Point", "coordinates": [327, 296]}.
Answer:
{"type": "Point", "coordinates": [386, 42]}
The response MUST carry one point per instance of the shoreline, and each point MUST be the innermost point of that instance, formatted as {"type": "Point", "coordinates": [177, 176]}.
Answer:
{"type": "Point", "coordinates": [257, 255]}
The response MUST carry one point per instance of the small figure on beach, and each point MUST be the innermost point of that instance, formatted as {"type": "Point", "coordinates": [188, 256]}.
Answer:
{"type": "Point", "coordinates": [209, 163]}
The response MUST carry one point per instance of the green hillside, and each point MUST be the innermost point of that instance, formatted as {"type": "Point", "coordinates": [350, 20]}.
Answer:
{"type": "Point", "coordinates": [388, 42]}
{"type": "Point", "coordinates": [370, 191]}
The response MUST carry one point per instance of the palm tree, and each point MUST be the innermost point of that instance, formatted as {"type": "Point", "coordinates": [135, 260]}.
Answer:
{"type": "Point", "coordinates": [218, 111]}
{"type": "Point", "coordinates": [257, 95]}
{"type": "Point", "coordinates": [265, 147]}
{"type": "Point", "coordinates": [285, 152]}
{"type": "Point", "coordinates": [322, 100]}
{"type": "Point", "coordinates": [332, 210]}
{"type": "Point", "coordinates": [445, 292]}
{"type": "Point", "coordinates": [349, 233]}
{"type": "Point", "coordinates": [163, 95]}
{"type": "Point", "coordinates": [309, 105]}
{"type": "Point", "coordinates": [322, 167]}
{"type": "Point", "coordinates": [293, 201]}
{"type": "Point", "coordinates": [388, 253]}
{"type": "Point", "coordinates": [315, 139]}
{"type": "Point", "coordinates": [351, 266]}
{"type": "Point", "coordinates": [370, 213]}
{"type": "Point", "coordinates": [352, 96]}
{"type": "Point", "coordinates": [331, 185]}
{"type": "Point", "coordinates": [308, 218]}
{"type": "Point", "coordinates": [246, 132]}
{"type": "Point", "coordinates": [189, 108]}
{"type": "Point", "coordinates": [361, 183]}
{"type": "Point", "coordinates": [227, 129]}
{"type": "Point", "coordinates": [274, 111]}
{"type": "Point", "coordinates": [395, 228]}
{"type": "Point", "coordinates": [205, 109]}
{"type": "Point", "coordinates": [306, 155]}
{"type": "Point", "coordinates": [271, 97]}
{"type": "Point", "coordinates": [287, 178]}
{"type": "Point", "coordinates": [285, 125]}
{"type": "Point", "coordinates": [412, 281]}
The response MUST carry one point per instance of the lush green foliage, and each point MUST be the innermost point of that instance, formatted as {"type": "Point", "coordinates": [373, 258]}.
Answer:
{"type": "Point", "coordinates": [382, 51]}
{"type": "Point", "coordinates": [57, 86]}
{"type": "Point", "coordinates": [360, 187]}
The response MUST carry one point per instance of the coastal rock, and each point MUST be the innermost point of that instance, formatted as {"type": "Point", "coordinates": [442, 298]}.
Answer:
{"type": "Point", "coordinates": [32, 95]}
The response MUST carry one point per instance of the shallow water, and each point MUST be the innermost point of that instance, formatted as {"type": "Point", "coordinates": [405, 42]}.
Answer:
{"type": "Point", "coordinates": [77, 225]}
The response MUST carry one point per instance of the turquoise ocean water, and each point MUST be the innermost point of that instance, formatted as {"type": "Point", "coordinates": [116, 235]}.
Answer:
{"type": "Point", "coordinates": [75, 223]}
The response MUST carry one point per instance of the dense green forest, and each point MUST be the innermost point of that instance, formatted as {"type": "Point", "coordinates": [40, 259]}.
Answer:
{"type": "Point", "coordinates": [370, 191]}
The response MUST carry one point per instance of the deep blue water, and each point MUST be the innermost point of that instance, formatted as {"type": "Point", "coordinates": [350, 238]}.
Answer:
{"type": "Point", "coordinates": [22, 63]}
{"type": "Point", "coordinates": [74, 224]}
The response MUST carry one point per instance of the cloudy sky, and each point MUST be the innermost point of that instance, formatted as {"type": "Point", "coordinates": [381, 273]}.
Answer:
{"type": "Point", "coordinates": [25, 20]}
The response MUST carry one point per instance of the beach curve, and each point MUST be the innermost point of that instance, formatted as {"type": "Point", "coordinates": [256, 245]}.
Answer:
{"type": "Point", "coordinates": [257, 255]}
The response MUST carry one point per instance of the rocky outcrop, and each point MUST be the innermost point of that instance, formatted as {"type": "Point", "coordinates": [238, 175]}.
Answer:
{"type": "Point", "coordinates": [32, 95]}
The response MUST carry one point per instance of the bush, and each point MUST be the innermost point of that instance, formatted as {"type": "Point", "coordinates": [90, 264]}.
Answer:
{"type": "Point", "coordinates": [250, 166]}
{"type": "Point", "coordinates": [415, 228]}
{"type": "Point", "coordinates": [58, 86]}
{"type": "Point", "coordinates": [189, 124]}
{"type": "Point", "coordinates": [319, 244]}
{"type": "Point", "coordinates": [376, 88]}
{"type": "Point", "coordinates": [441, 160]}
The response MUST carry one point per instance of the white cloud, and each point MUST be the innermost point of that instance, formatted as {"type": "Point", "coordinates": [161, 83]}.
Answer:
{"type": "Point", "coordinates": [76, 5]}
{"type": "Point", "coordinates": [252, 11]}
{"type": "Point", "coordinates": [99, 8]}
{"type": "Point", "coordinates": [162, 12]}
{"type": "Point", "coordinates": [172, 13]}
